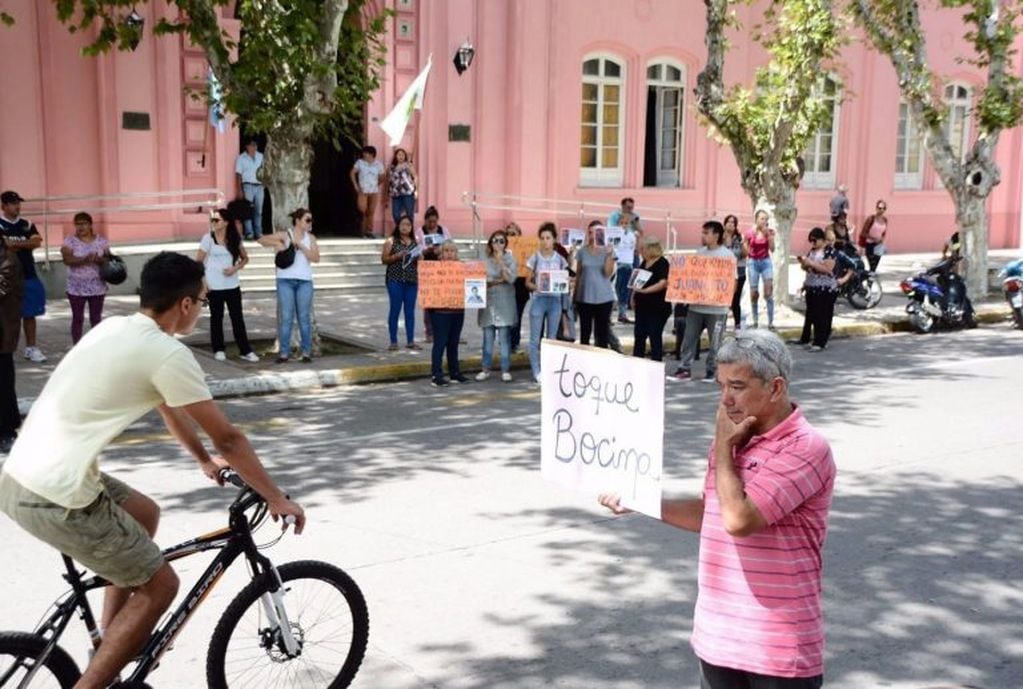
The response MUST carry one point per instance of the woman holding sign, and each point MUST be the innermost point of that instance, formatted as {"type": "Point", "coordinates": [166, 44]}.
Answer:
{"type": "Point", "coordinates": [401, 256]}
{"type": "Point", "coordinates": [499, 315]}
{"type": "Point", "coordinates": [648, 291]}
{"type": "Point", "coordinates": [759, 245]}
{"type": "Point", "coordinates": [594, 266]}
{"type": "Point", "coordinates": [447, 329]}
{"type": "Point", "coordinates": [548, 280]}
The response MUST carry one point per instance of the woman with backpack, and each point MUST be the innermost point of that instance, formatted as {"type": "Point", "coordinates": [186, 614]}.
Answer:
{"type": "Point", "coordinates": [222, 253]}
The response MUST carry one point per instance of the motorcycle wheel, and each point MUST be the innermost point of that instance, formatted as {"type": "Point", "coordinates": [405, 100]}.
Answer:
{"type": "Point", "coordinates": [922, 322]}
{"type": "Point", "coordinates": [1017, 317]}
{"type": "Point", "coordinates": [865, 295]}
{"type": "Point", "coordinates": [969, 316]}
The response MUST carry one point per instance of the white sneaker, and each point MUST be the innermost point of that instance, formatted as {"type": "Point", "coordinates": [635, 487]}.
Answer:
{"type": "Point", "coordinates": [506, 377]}
{"type": "Point", "coordinates": [482, 375]}
{"type": "Point", "coordinates": [34, 354]}
{"type": "Point", "coordinates": [220, 356]}
{"type": "Point", "coordinates": [251, 357]}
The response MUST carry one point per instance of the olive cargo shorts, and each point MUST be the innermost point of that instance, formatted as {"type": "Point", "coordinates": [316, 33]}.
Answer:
{"type": "Point", "coordinates": [102, 536]}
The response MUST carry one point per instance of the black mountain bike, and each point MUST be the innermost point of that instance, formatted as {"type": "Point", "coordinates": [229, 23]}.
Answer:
{"type": "Point", "coordinates": [303, 624]}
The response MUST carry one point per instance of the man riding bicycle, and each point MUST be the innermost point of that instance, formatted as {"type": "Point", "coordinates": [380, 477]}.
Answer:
{"type": "Point", "coordinates": [51, 484]}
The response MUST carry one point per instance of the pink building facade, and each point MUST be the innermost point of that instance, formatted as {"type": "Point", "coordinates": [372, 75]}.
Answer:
{"type": "Point", "coordinates": [583, 101]}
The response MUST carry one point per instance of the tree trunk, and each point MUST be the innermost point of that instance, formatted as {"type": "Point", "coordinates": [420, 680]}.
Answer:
{"type": "Point", "coordinates": [971, 221]}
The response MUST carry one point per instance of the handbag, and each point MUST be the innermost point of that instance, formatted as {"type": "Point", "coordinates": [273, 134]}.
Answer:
{"type": "Point", "coordinates": [113, 271]}
{"type": "Point", "coordinates": [284, 258]}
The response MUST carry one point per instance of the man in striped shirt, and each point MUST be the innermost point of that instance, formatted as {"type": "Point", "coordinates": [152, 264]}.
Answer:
{"type": "Point", "coordinates": [762, 522]}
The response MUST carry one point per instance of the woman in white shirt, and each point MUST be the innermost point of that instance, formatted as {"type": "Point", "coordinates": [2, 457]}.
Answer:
{"type": "Point", "coordinates": [221, 251]}
{"type": "Point", "coordinates": [295, 282]}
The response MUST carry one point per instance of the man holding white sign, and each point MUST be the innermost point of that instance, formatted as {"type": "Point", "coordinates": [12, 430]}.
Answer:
{"type": "Point", "coordinates": [762, 521]}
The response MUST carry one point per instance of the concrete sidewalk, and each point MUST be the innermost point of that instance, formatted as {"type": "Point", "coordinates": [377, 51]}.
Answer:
{"type": "Point", "coordinates": [359, 318]}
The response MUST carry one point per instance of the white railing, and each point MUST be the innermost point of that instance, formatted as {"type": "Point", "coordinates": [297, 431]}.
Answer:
{"type": "Point", "coordinates": [562, 208]}
{"type": "Point", "coordinates": [60, 206]}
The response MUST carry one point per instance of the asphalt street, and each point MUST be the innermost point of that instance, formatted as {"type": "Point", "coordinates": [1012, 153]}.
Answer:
{"type": "Point", "coordinates": [478, 575]}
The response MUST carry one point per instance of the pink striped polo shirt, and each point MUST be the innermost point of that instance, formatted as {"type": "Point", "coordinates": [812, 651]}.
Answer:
{"type": "Point", "coordinates": [759, 602]}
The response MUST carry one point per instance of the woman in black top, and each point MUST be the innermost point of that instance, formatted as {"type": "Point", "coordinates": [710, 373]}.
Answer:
{"type": "Point", "coordinates": [651, 309]}
{"type": "Point", "coordinates": [401, 256]}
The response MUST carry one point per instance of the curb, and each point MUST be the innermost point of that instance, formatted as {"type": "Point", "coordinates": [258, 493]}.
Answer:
{"type": "Point", "coordinates": [267, 383]}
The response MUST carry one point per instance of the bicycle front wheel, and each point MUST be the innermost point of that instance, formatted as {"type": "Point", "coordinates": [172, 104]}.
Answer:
{"type": "Point", "coordinates": [328, 620]}
{"type": "Point", "coordinates": [18, 652]}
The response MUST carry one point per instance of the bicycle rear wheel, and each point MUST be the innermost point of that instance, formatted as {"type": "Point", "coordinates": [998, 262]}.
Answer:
{"type": "Point", "coordinates": [17, 653]}
{"type": "Point", "coordinates": [328, 618]}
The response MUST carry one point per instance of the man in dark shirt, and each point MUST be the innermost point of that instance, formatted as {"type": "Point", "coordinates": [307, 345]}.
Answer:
{"type": "Point", "coordinates": [22, 237]}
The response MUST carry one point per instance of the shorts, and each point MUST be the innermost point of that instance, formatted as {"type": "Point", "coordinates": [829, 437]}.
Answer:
{"type": "Point", "coordinates": [102, 536]}
{"type": "Point", "coordinates": [33, 302]}
{"type": "Point", "coordinates": [757, 269]}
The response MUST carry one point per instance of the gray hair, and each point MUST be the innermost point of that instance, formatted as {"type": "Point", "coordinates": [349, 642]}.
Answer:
{"type": "Point", "coordinates": [761, 350]}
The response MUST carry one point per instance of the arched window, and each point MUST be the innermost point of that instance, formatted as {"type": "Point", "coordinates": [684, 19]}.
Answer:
{"type": "Point", "coordinates": [665, 100]}
{"type": "Point", "coordinates": [909, 151]}
{"type": "Point", "coordinates": [958, 98]}
{"type": "Point", "coordinates": [600, 150]}
{"type": "Point", "coordinates": [822, 149]}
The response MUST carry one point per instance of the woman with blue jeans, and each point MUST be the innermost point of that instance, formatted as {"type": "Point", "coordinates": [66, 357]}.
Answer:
{"type": "Point", "coordinates": [500, 313]}
{"type": "Point", "coordinates": [546, 303]}
{"type": "Point", "coordinates": [401, 256]}
{"type": "Point", "coordinates": [759, 244]}
{"type": "Point", "coordinates": [401, 185]}
{"type": "Point", "coordinates": [295, 283]}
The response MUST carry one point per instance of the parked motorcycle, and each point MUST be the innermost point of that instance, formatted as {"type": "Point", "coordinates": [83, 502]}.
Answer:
{"type": "Point", "coordinates": [862, 290]}
{"type": "Point", "coordinates": [1012, 289]}
{"type": "Point", "coordinates": [937, 296]}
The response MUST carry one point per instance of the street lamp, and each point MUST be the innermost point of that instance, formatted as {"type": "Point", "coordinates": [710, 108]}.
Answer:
{"type": "Point", "coordinates": [133, 25]}
{"type": "Point", "coordinates": [463, 57]}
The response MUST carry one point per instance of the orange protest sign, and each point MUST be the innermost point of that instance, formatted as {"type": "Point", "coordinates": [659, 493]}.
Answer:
{"type": "Point", "coordinates": [522, 248]}
{"type": "Point", "coordinates": [442, 283]}
{"type": "Point", "coordinates": [707, 280]}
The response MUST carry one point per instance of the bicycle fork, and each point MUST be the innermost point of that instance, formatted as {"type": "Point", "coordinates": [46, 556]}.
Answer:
{"type": "Point", "coordinates": [277, 614]}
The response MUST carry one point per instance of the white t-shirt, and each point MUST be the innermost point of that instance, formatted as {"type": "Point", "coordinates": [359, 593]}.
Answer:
{"type": "Point", "coordinates": [300, 269]}
{"type": "Point", "coordinates": [122, 369]}
{"type": "Point", "coordinates": [247, 166]}
{"type": "Point", "coordinates": [217, 259]}
{"type": "Point", "coordinates": [369, 175]}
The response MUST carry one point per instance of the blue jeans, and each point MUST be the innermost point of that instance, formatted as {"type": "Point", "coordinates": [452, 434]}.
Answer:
{"type": "Point", "coordinates": [254, 194]}
{"type": "Point", "coordinates": [402, 295]}
{"type": "Point", "coordinates": [447, 328]}
{"type": "Point", "coordinates": [503, 335]}
{"type": "Point", "coordinates": [759, 270]}
{"type": "Point", "coordinates": [542, 305]}
{"type": "Point", "coordinates": [622, 275]}
{"type": "Point", "coordinates": [403, 205]}
{"type": "Point", "coordinates": [295, 296]}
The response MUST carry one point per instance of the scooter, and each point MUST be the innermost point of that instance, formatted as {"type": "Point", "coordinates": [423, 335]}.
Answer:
{"type": "Point", "coordinates": [937, 296]}
{"type": "Point", "coordinates": [862, 290]}
{"type": "Point", "coordinates": [1012, 289]}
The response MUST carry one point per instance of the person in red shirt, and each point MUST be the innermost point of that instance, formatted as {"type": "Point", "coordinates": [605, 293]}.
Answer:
{"type": "Point", "coordinates": [762, 521]}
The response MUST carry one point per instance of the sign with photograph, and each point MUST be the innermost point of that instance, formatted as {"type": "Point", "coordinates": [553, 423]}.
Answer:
{"type": "Point", "coordinates": [571, 237]}
{"type": "Point", "coordinates": [707, 280]}
{"type": "Point", "coordinates": [639, 278]}
{"type": "Point", "coordinates": [442, 284]}
{"type": "Point", "coordinates": [602, 425]}
{"type": "Point", "coordinates": [475, 293]}
{"type": "Point", "coordinates": [552, 281]}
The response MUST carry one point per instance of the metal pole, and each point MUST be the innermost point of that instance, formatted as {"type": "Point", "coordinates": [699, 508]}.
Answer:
{"type": "Point", "coordinates": [475, 226]}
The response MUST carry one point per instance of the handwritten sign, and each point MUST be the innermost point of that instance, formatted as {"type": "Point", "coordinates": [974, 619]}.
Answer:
{"type": "Point", "coordinates": [522, 248]}
{"type": "Point", "coordinates": [442, 283]}
{"type": "Point", "coordinates": [602, 426]}
{"type": "Point", "coordinates": [707, 280]}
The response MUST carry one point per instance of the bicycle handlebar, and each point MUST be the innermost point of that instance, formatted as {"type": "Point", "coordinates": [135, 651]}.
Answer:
{"type": "Point", "coordinates": [231, 476]}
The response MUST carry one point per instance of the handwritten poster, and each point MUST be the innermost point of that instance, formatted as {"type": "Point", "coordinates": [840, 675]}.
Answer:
{"type": "Point", "coordinates": [442, 283]}
{"type": "Point", "coordinates": [522, 248]}
{"type": "Point", "coordinates": [602, 426]}
{"type": "Point", "coordinates": [708, 280]}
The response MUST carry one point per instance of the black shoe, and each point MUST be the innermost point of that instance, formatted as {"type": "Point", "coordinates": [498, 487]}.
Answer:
{"type": "Point", "coordinates": [306, 359]}
{"type": "Point", "coordinates": [459, 378]}
{"type": "Point", "coordinates": [439, 382]}
{"type": "Point", "coordinates": [6, 443]}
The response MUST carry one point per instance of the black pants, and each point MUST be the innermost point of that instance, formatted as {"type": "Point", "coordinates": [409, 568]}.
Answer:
{"type": "Point", "coordinates": [820, 310]}
{"type": "Point", "coordinates": [872, 258]}
{"type": "Point", "coordinates": [740, 282]}
{"type": "Point", "coordinates": [521, 299]}
{"type": "Point", "coordinates": [10, 417]}
{"type": "Point", "coordinates": [595, 318]}
{"type": "Point", "coordinates": [650, 323]}
{"type": "Point", "coordinates": [714, 677]}
{"type": "Point", "coordinates": [447, 328]}
{"type": "Point", "coordinates": [233, 299]}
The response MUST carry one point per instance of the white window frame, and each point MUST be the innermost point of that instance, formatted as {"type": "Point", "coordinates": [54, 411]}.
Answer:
{"type": "Point", "coordinates": [816, 179]}
{"type": "Point", "coordinates": [905, 179]}
{"type": "Point", "coordinates": [601, 176]}
{"type": "Point", "coordinates": [671, 179]}
{"type": "Point", "coordinates": [967, 110]}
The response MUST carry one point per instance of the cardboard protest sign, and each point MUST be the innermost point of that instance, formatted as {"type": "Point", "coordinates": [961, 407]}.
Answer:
{"type": "Point", "coordinates": [442, 283]}
{"type": "Point", "coordinates": [522, 248]}
{"type": "Point", "coordinates": [707, 280]}
{"type": "Point", "coordinates": [602, 425]}
{"type": "Point", "coordinates": [475, 293]}
{"type": "Point", "coordinates": [552, 281]}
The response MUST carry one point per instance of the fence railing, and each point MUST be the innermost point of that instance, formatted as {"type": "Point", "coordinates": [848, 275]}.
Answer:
{"type": "Point", "coordinates": [48, 207]}
{"type": "Point", "coordinates": [479, 201]}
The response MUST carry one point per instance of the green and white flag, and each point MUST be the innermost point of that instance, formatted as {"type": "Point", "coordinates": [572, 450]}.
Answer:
{"type": "Point", "coordinates": [397, 120]}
